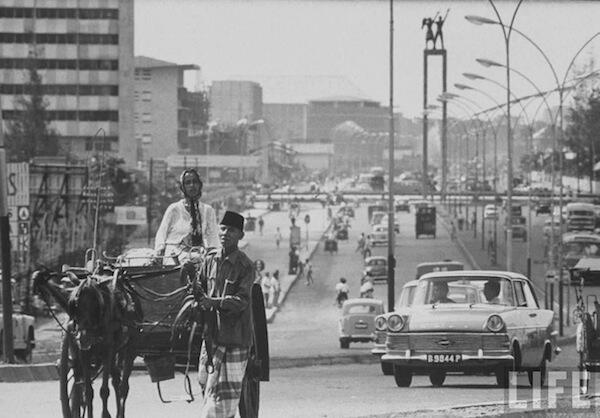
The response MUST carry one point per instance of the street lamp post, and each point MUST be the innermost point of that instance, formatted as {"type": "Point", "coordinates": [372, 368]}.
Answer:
{"type": "Point", "coordinates": [506, 32]}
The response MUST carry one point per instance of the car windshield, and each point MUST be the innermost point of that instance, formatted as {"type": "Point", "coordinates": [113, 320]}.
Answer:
{"type": "Point", "coordinates": [377, 263]}
{"type": "Point", "coordinates": [406, 297]}
{"type": "Point", "coordinates": [361, 309]}
{"type": "Point", "coordinates": [488, 290]}
{"type": "Point", "coordinates": [572, 249]}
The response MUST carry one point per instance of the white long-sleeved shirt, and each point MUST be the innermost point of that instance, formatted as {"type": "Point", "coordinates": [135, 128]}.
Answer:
{"type": "Point", "coordinates": [176, 225]}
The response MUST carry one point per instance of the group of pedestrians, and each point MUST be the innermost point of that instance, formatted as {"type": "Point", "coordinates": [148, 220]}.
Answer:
{"type": "Point", "coordinates": [271, 288]}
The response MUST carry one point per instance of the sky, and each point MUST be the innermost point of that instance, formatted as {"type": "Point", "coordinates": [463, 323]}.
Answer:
{"type": "Point", "coordinates": [227, 38]}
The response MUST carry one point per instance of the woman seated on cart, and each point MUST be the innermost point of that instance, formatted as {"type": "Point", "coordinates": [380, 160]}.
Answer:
{"type": "Point", "coordinates": [187, 222]}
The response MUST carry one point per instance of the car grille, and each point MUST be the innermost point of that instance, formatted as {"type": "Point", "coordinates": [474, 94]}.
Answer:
{"type": "Point", "coordinates": [464, 342]}
{"type": "Point", "coordinates": [494, 342]}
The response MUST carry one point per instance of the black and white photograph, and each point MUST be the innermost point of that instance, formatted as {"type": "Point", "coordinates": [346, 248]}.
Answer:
{"type": "Point", "coordinates": [299, 208]}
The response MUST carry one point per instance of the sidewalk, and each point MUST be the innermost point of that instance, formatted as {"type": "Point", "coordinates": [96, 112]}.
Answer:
{"type": "Point", "coordinates": [264, 247]}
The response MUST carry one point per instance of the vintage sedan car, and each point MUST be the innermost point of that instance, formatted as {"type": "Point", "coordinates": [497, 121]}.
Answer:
{"type": "Point", "coordinates": [490, 212]}
{"type": "Point", "coordinates": [578, 245]}
{"type": "Point", "coordinates": [503, 330]}
{"type": "Point", "coordinates": [379, 235]}
{"type": "Point", "coordinates": [458, 292]}
{"type": "Point", "coordinates": [357, 323]}
{"type": "Point", "coordinates": [431, 266]}
{"type": "Point", "coordinates": [23, 334]}
{"type": "Point", "coordinates": [375, 268]}
{"type": "Point", "coordinates": [402, 206]}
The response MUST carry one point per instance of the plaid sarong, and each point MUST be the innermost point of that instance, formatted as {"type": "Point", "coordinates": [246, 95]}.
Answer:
{"type": "Point", "coordinates": [223, 387]}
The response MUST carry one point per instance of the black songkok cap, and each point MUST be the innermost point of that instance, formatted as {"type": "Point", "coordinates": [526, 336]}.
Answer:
{"type": "Point", "coordinates": [233, 219]}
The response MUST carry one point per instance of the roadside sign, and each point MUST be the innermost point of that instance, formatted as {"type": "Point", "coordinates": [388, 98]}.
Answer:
{"type": "Point", "coordinates": [307, 219]}
{"type": "Point", "coordinates": [131, 215]}
{"type": "Point", "coordinates": [23, 213]}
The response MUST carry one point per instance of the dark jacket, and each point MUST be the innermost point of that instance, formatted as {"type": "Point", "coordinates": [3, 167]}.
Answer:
{"type": "Point", "coordinates": [231, 278]}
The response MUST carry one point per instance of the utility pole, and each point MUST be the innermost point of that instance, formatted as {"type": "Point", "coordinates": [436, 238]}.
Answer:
{"type": "Point", "coordinates": [5, 255]}
{"type": "Point", "coordinates": [391, 240]}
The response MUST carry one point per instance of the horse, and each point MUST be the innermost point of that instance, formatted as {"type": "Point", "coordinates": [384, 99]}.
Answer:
{"type": "Point", "coordinates": [104, 316]}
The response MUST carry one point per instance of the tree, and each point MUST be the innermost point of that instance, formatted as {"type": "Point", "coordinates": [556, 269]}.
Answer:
{"type": "Point", "coordinates": [28, 131]}
{"type": "Point", "coordinates": [581, 135]}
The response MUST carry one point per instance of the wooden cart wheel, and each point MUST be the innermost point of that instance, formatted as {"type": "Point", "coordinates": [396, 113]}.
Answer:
{"type": "Point", "coordinates": [71, 381]}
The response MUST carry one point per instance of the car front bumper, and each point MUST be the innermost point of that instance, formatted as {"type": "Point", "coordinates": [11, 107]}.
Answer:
{"type": "Point", "coordinates": [469, 362]}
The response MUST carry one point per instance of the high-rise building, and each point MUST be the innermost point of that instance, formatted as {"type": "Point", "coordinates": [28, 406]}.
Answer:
{"type": "Point", "coordinates": [83, 51]}
{"type": "Point", "coordinates": [165, 111]}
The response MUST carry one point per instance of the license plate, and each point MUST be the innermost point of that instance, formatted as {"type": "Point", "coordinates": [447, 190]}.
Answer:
{"type": "Point", "coordinates": [444, 358]}
{"type": "Point", "coordinates": [360, 326]}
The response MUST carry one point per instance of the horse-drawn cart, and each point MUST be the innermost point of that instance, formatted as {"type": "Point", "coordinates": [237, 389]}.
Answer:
{"type": "Point", "coordinates": [127, 307]}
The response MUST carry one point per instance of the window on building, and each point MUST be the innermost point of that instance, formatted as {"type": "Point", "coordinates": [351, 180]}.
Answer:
{"type": "Point", "coordinates": [146, 96]}
{"type": "Point", "coordinates": [146, 139]}
{"type": "Point", "coordinates": [146, 117]}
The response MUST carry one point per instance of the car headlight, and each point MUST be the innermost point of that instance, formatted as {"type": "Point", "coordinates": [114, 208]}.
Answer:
{"type": "Point", "coordinates": [495, 323]}
{"type": "Point", "coordinates": [380, 323]}
{"type": "Point", "coordinates": [395, 323]}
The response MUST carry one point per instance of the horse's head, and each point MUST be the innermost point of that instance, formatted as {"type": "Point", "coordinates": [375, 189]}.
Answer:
{"type": "Point", "coordinates": [40, 278]}
{"type": "Point", "coordinates": [86, 307]}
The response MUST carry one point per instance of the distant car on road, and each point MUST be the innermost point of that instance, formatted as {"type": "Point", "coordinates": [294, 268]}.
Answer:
{"type": "Point", "coordinates": [496, 326]}
{"type": "Point", "coordinates": [490, 212]}
{"type": "Point", "coordinates": [578, 245]}
{"type": "Point", "coordinates": [379, 235]}
{"type": "Point", "coordinates": [543, 207]}
{"type": "Point", "coordinates": [432, 266]}
{"type": "Point", "coordinates": [23, 334]}
{"type": "Point", "coordinates": [402, 206]}
{"type": "Point", "coordinates": [357, 323]}
{"type": "Point", "coordinates": [375, 268]}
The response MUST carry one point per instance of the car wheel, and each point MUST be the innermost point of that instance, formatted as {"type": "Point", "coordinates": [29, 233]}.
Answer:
{"type": "Point", "coordinates": [387, 368]}
{"type": "Point", "coordinates": [402, 376]}
{"type": "Point", "coordinates": [543, 374]}
{"type": "Point", "coordinates": [344, 343]}
{"type": "Point", "coordinates": [437, 378]}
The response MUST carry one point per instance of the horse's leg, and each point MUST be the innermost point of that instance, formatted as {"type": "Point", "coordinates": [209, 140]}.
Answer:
{"type": "Point", "coordinates": [116, 382]}
{"type": "Point", "coordinates": [128, 358]}
{"type": "Point", "coordinates": [87, 381]}
{"type": "Point", "coordinates": [104, 391]}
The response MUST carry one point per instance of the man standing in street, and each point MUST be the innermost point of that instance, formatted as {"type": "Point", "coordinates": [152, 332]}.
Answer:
{"type": "Point", "coordinates": [228, 275]}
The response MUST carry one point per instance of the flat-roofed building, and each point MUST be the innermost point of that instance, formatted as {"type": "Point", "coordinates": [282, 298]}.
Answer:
{"type": "Point", "coordinates": [83, 51]}
{"type": "Point", "coordinates": [164, 108]}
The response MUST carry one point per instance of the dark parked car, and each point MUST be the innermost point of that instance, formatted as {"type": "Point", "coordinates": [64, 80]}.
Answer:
{"type": "Point", "coordinates": [543, 208]}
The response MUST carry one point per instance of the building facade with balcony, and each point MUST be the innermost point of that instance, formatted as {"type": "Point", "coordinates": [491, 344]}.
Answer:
{"type": "Point", "coordinates": [166, 113]}
{"type": "Point", "coordinates": [83, 52]}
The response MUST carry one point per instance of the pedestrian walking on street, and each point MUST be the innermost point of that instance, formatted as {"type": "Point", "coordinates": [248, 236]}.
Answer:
{"type": "Point", "coordinates": [361, 243]}
{"type": "Point", "coordinates": [452, 230]}
{"type": "Point", "coordinates": [265, 285]}
{"type": "Point", "coordinates": [342, 290]}
{"type": "Point", "coordinates": [278, 237]}
{"type": "Point", "coordinates": [309, 272]}
{"type": "Point", "coordinates": [300, 269]}
{"type": "Point", "coordinates": [261, 224]}
{"type": "Point", "coordinates": [274, 290]}
{"type": "Point", "coordinates": [226, 294]}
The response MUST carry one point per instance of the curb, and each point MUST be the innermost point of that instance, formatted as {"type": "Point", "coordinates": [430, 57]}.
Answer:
{"type": "Point", "coordinates": [17, 373]}
{"type": "Point", "coordinates": [273, 311]}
